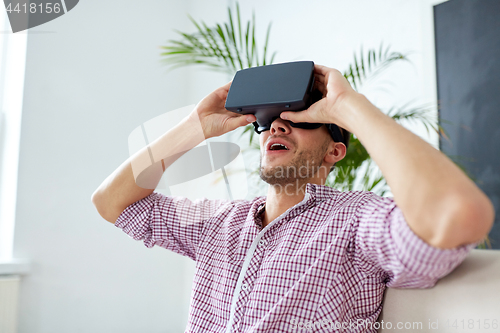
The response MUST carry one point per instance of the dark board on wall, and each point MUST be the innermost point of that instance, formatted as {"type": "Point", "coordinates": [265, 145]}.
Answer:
{"type": "Point", "coordinates": [467, 34]}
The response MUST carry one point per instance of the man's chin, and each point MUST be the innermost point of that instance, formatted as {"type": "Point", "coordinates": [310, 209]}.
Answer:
{"type": "Point", "coordinates": [276, 160]}
{"type": "Point", "coordinates": [273, 168]}
{"type": "Point", "coordinates": [279, 174]}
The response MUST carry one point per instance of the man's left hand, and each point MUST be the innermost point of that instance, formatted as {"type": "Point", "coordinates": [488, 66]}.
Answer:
{"type": "Point", "coordinates": [335, 88]}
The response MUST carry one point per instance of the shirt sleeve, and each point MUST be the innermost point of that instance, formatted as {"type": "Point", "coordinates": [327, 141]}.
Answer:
{"type": "Point", "coordinates": [384, 242]}
{"type": "Point", "coordinates": [174, 223]}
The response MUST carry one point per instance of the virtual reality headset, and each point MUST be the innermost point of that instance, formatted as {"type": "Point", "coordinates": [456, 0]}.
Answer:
{"type": "Point", "coordinates": [266, 91]}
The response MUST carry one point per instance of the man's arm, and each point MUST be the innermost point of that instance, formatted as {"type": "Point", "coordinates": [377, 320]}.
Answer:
{"type": "Point", "coordinates": [440, 203]}
{"type": "Point", "coordinates": [137, 177]}
{"type": "Point", "coordinates": [120, 189]}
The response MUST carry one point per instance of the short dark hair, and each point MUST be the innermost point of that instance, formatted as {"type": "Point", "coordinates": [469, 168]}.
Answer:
{"type": "Point", "coordinates": [346, 135]}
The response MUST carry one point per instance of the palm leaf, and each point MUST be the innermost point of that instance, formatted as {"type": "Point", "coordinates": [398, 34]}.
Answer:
{"type": "Point", "coordinates": [225, 47]}
{"type": "Point", "coordinates": [421, 115]}
{"type": "Point", "coordinates": [370, 65]}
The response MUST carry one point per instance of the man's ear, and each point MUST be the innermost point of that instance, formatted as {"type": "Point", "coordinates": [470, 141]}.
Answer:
{"type": "Point", "coordinates": [336, 152]}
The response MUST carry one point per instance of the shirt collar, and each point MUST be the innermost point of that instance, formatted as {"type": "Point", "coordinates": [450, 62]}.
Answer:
{"type": "Point", "coordinates": [321, 192]}
{"type": "Point", "coordinates": [316, 193]}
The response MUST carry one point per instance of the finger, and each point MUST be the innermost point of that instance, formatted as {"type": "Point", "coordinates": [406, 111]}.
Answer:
{"type": "Point", "coordinates": [307, 116]}
{"type": "Point", "coordinates": [223, 91]}
{"type": "Point", "coordinates": [250, 118]}
{"type": "Point", "coordinates": [297, 117]}
{"type": "Point", "coordinates": [321, 87]}
{"type": "Point", "coordinates": [321, 70]}
{"type": "Point", "coordinates": [226, 86]}
{"type": "Point", "coordinates": [240, 120]}
{"type": "Point", "coordinates": [320, 78]}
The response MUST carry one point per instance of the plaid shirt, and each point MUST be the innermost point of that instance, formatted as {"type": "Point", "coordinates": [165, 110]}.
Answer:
{"type": "Point", "coordinates": [322, 265]}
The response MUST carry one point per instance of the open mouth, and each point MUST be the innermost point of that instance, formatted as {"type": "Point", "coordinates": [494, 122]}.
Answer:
{"type": "Point", "coordinates": [278, 146]}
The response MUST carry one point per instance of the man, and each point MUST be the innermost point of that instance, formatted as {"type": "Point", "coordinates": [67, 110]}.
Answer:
{"type": "Point", "coordinates": [305, 256]}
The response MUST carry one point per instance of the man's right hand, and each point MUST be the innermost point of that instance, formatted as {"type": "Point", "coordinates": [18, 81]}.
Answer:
{"type": "Point", "coordinates": [215, 119]}
{"type": "Point", "coordinates": [137, 177]}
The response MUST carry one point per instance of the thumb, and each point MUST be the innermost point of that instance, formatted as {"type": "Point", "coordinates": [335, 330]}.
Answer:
{"type": "Point", "coordinates": [307, 116]}
{"type": "Point", "coordinates": [241, 120]}
{"type": "Point", "coordinates": [295, 117]}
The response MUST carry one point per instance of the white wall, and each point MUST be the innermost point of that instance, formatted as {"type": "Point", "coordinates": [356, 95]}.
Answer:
{"type": "Point", "coordinates": [12, 65]}
{"type": "Point", "coordinates": [94, 75]}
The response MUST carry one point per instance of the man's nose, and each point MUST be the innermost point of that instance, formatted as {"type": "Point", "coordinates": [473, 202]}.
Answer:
{"type": "Point", "coordinates": [280, 126]}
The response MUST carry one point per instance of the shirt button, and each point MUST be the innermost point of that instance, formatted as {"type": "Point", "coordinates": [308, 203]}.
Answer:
{"type": "Point", "coordinates": [262, 243]}
{"type": "Point", "coordinates": [244, 286]}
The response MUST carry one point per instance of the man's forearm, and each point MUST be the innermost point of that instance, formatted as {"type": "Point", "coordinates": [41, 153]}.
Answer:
{"type": "Point", "coordinates": [137, 177]}
{"type": "Point", "coordinates": [440, 203]}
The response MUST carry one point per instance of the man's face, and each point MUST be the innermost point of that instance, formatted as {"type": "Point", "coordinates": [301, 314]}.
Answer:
{"type": "Point", "coordinates": [289, 154]}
